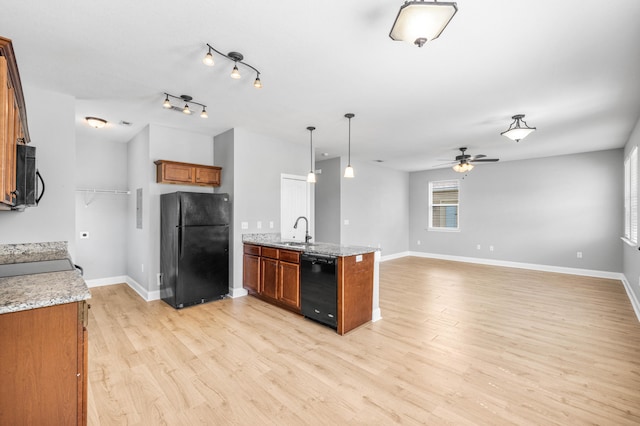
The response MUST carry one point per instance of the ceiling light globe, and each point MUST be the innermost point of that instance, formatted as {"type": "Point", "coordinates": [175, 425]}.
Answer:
{"type": "Point", "coordinates": [186, 109]}
{"type": "Point", "coordinates": [348, 172]}
{"type": "Point", "coordinates": [208, 59]}
{"type": "Point", "coordinates": [421, 21]}
{"type": "Point", "coordinates": [257, 83]}
{"type": "Point", "coordinates": [96, 123]}
{"type": "Point", "coordinates": [311, 177]}
{"type": "Point", "coordinates": [204, 114]}
{"type": "Point", "coordinates": [518, 133]}
{"type": "Point", "coordinates": [166, 104]}
{"type": "Point", "coordinates": [235, 73]}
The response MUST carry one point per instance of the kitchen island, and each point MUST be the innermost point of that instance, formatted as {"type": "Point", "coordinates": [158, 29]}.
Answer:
{"type": "Point", "coordinates": [272, 272]}
{"type": "Point", "coordinates": [43, 336]}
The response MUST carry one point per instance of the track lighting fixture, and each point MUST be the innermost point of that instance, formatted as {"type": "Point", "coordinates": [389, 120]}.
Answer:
{"type": "Point", "coordinates": [516, 131]}
{"type": "Point", "coordinates": [186, 109]}
{"type": "Point", "coordinates": [95, 122]}
{"type": "Point", "coordinates": [348, 172]}
{"type": "Point", "coordinates": [421, 21]}
{"type": "Point", "coordinates": [311, 177]}
{"type": "Point", "coordinates": [237, 58]}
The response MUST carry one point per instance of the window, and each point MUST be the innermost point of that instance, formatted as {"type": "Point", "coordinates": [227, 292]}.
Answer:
{"type": "Point", "coordinates": [443, 205]}
{"type": "Point", "coordinates": [631, 197]}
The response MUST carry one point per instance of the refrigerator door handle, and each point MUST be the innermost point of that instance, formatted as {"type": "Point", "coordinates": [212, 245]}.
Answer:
{"type": "Point", "coordinates": [180, 241]}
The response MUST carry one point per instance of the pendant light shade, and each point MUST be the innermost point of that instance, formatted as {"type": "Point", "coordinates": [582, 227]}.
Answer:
{"type": "Point", "coordinates": [517, 130]}
{"type": "Point", "coordinates": [348, 172]}
{"type": "Point", "coordinates": [463, 167]}
{"type": "Point", "coordinates": [235, 73]}
{"type": "Point", "coordinates": [311, 177]}
{"type": "Point", "coordinates": [421, 21]}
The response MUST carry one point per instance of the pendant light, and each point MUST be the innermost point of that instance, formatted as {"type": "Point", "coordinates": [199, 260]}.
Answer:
{"type": "Point", "coordinates": [311, 177]}
{"type": "Point", "coordinates": [516, 131]}
{"type": "Point", "coordinates": [348, 172]}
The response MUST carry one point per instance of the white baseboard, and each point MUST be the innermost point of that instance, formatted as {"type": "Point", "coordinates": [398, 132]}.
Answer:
{"type": "Point", "coordinates": [532, 266]}
{"type": "Point", "coordinates": [395, 256]}
{"type": "Point", "coordinates": [632, 297]}
{"type": "Point", "coordinates": [106, 281]}
{"type": "Point", "coordinates": [237, 292]}
{"type": "Point", "coordinates": [143, 292]}
{"type": "Point", "coordinates": [376, 315]}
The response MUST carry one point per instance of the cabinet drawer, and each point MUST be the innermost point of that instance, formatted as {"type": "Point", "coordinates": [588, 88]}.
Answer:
{"type": "Point", "coordinates": [251, 249]}
{"type": "Point", "coordinates": [270, 252]}
{"type": "Point", "coordinates": [290, 256]}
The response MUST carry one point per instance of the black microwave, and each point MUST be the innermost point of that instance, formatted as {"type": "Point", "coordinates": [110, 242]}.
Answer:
{"type": "Point", "coordinates": [27, 176]}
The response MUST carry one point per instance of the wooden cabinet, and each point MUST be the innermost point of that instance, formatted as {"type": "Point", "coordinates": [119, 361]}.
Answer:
{"type": "Point", "coordinates": [187, 173]}
{"type": "Point", "coordinates": [279, 275]}
{"type": "Point", "coordinates": [13, 122]}
{"type": "Point", "coordinates": [355, 291]}
{"type": "Point", "coordinates": [43, 365]}
{"type": "Point", "coordinates": [251, 268]}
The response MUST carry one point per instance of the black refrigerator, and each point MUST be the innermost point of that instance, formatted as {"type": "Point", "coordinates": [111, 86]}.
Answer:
{"type": "Point", "coordinates": [194, 247]}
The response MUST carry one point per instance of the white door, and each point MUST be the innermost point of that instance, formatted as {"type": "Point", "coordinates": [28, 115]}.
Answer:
{"type": "Point", "coordinates": [295, 201]}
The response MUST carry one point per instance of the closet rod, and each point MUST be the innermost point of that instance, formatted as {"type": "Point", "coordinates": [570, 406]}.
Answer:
{"type": "Point", "coordinates": [104, 191]}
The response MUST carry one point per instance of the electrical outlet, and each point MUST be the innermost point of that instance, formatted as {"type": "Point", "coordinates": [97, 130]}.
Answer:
{"type": "Point", "coordinates": [478, 246]}
{"type": "Point", "coordinates": [419, 242]}
{"type": "Point", "coordinates": [579, 254]}
{"type": "Point", "coordinates": [490, 248]}
{"type": "Point", "coordinates": [159, 280]}
{"type": "Point", "coordinates": [244, 225]}
{"type": "Point", "coordinates": [346, 221]}
{"type": "Point", "coordinates": [271, 224]}
{"type": "Point", "coordinates": [259, 225]}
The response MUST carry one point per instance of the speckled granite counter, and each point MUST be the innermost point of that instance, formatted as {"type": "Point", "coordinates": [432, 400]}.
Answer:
{"type": "Point", "coordinates": [274, 240]}
{"type": "Point", "coordinates": [39, 290]}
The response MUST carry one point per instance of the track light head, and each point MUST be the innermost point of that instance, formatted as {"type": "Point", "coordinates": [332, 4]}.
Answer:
{"type": "Point", "coordinates": [235, 73]}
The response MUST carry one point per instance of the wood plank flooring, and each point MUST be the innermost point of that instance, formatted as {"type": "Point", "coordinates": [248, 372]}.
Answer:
{"type": "Point", "coordinates": [459, 344]}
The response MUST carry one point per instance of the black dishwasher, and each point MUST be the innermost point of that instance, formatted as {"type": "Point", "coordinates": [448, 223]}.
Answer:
{"type": "Point", "coordinates": [319, 288]}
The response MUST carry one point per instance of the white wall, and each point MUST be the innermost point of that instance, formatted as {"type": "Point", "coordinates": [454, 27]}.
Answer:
{"type": "Point", "coordinates": [376, 204]}
{"type": "Point", "coordinates": [223, 152]}
{"type": "Point", "coordinates": [327, 211]}
{"type": "Point", "coordinates": [51, 121]}
{"type": "Point", "coordinates": [631, 255]}
{"type": "Point", "coordinates": [539, 211]}
{"type": "Point", "coordinates": [259, 162]}
{"type": "Point", "coordinates": [101, 165]}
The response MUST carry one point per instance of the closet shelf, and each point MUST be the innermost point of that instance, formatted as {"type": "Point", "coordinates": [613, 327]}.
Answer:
{"type": "Point", "coordinates": [104, 191]}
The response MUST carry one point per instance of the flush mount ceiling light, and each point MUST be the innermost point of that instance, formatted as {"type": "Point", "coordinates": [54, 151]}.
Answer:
{"type": "Point", "coordinates": [95, 122]}
{"type": "Point", "coordinates": [421, 21]}
{"type": "Point", "coordinates": [516, 130]}
{"type": "Point", "coordinates": [348, 172]}
{"type": "Point", "coordinates": [237, 58]}
{"type": "Point", "coordinates": [185, 109]}
{"type": "Point", "coordinates": [311, 177]}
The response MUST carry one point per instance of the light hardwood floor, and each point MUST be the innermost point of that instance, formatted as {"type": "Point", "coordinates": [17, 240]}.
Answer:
{"type": "Point", "coordinates": [458, 344]}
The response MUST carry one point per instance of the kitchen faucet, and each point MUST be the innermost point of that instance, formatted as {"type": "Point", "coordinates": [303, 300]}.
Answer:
{"type": "Point", "coordinates": [307, 237]}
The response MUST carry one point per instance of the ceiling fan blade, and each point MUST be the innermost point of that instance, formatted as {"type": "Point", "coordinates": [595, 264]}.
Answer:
{"type": "Point", "coordinates": [486, 160]}
{"type": "Point", "coordinates": [474, 157]}
{"type": "Point", "coordinates": [445, 164]}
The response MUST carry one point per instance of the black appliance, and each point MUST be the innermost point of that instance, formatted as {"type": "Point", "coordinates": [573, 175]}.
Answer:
{"type": "Point", "coordinates": [194, 247]}
{"type": "Point", "coordinates": [319, 288]}
{"type": "Point", "coordinates": [26, 174]}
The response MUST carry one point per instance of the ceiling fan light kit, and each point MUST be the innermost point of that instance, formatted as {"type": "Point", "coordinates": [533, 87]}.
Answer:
{"type": "Point", "coordinates": [237, 58]}
{"type": "Point", "coordinates": [186, 109]}
{"type": "Point", "coordinates": [517, 131]}
{"type": "Point", "coordinates": [464, 162]}
{"type": "Point", "coordinates": [418, 22]}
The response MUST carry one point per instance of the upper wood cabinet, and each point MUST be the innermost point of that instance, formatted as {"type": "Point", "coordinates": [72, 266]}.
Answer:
{"type": "Point", "coordinates": [13, 122]}
{"type": "Point", "coordinates": [187, 173]}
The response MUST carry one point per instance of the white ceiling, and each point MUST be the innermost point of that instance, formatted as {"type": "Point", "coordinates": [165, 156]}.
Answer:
{"type": "Point", "coordinates": [572, 66]}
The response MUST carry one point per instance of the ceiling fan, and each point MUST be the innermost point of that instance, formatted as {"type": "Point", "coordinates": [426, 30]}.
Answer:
{"type": "Point", "coordinates": [464, 162]}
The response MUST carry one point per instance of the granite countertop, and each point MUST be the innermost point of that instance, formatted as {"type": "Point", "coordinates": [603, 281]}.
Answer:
{"type": "Point", "coordinates": [32, 291]}
{"type": "Point", "coordinates": [275, 240]}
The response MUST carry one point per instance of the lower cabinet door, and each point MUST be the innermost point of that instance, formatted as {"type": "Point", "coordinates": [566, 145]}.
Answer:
{"type": "Point", "coordinates": [269, 277]}
{"type": "Point", "coordinates": [289, 285]}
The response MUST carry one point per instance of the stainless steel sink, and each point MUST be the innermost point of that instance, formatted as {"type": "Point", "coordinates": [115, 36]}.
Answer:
{"type": "Point", "coordinates": [297, 244]}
